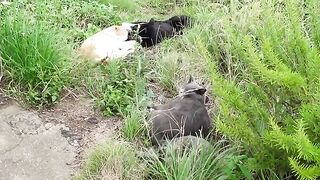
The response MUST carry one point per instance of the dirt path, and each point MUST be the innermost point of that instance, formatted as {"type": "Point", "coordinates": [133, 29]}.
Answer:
{"type": "Point", "coordinates": [51, 144]}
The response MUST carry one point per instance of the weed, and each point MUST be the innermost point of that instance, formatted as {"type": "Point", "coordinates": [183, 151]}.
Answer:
{"type": "Point", "coordinates": [134, 124]}
{"type": "Point", "coordinates": [118, 90]}
{"type": "Point", "coordinates": [115, 160]}
{"type": "Point", "coordinates": [35, 64]}
{"type": "Point", "coordinates": [134, 127]}
{"type": "Point", "coordinates": [262, 70]}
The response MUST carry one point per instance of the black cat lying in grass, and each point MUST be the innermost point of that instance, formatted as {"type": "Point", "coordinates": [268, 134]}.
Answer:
{"type": "Point", "coordinates": [153, 32]}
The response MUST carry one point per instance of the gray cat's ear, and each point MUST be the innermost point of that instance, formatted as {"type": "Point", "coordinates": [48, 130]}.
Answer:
{"type": "Point", "coordinates": [191, 79]}
{"type": "Point", "coordinates": [152, 21]}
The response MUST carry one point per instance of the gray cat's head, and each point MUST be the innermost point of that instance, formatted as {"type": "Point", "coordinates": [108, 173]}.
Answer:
{"type": "Point", "coordinates": [192, 88]}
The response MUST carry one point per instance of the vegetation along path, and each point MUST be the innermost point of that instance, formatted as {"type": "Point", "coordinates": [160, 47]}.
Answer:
{"type": "Point", "coordinates": [62, 117]}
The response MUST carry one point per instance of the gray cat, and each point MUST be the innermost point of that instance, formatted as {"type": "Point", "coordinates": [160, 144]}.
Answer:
{"type": "Point", "coordinates": [183, 116]}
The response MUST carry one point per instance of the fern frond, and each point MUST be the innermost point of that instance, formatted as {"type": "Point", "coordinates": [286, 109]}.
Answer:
{"type": "Point", "coordinates": [279, 139]}
{"type": "Point", "coordinates": [281, 78]}
{"type": "Point", "coordinates": [305, 148]}
{"type": "Point", "coordinates": [305, 172]}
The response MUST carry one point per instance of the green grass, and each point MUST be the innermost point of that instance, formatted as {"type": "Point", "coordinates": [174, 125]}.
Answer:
{"type": "Point", "coordinates": [123, 5]}
{"type": "Point", "coordinates": [36, 62]}
{"type": "Point", "coordinates": [76, 19]}
{"type": "Point", "coordinates": [134, 127]}
{"type": "Point", "coordinates": [197, 160]}
{"type": "Point", "coordinates": [117, 160]}
{"type": "Point", "coordinates": [167, 70]}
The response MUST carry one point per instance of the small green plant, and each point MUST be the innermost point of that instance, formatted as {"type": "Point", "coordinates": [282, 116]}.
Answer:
{"type": "Point", "coordinates": [118, 90]}
{"type": "Point", "coordinates": [112, 160]}
{"type": "Point", "coordinates": [35, 59]}
{"type": "Point", "coordinates": [301, 147]}
{"type": "Point", "coordinates": [133, 126]}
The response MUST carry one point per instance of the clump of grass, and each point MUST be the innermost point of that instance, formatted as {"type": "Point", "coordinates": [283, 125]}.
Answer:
{"type": "Point", "coordinates": [114, 160]}
{"type": "Point", "coordinates": [35, 59]}
{"type": "Point", "coordinates": [196, 160]}
{"type": "Point", "coordinates": [134, 123]}
{"type": "Point", "coordinates": [167, 71]}
{"type": "Point", "coordinates": [134, 126]}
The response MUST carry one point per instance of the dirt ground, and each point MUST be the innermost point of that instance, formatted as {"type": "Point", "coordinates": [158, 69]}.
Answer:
{"type": "Point", "coordinates": [51, 144]}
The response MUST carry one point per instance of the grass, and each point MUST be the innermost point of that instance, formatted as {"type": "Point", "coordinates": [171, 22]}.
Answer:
{"type": "Point", "coordinates": [134, 122]}
{"type": "Point", "coordinates": [35, 64]}
{"type": "Point", "coordinates": [122, 5]}
{"type": "Point", "coordinates": [167, 69]}
{"type": "Point", "coordinates": [259, 58]}
{"type": "Point", "coordinates": [76, 19]}
{"type": "Point", "coordinates": [116, 160]}
{"type": "Point", "coordinates": [193, 160]}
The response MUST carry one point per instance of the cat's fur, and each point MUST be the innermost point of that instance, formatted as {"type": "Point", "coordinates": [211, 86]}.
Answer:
{"type": "Point", "coordinates": [112, 42]}
{"type": "Point", "coordinates": [154, 31]}
{"type": "Point", "coordinates": [185, 115]}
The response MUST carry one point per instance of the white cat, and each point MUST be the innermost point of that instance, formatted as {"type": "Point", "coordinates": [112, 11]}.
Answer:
{"type": "Point", "coordinates": [5, 2]}
{"type": "Point", "coordinates": [109, 43]}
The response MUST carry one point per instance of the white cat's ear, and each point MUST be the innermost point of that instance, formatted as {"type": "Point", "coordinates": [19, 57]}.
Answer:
{"type": "Point", "coordinates": [128, 26]}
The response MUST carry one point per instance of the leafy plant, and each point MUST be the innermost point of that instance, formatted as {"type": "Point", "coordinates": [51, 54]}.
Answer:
{"type": "Point", "coordinates": [264, 75]}
{"type": "Point", "coordinates": [118, 89]}
{"type": "Point", "coordinates": [301, 148]}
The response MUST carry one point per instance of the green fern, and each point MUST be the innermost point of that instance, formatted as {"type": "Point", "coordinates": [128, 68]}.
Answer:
{"type": "Point", "coordinates": [305, 172]}
{"type": "Point", "coordinates": [267, 83]}
{"type": "Point", "coordinates": [301, 148]}
{"type": "Point", "coordinates": [282, 78]}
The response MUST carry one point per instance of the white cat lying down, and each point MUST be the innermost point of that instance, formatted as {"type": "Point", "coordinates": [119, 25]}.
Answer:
{"type": "Point", "coordinates": [109, 43]}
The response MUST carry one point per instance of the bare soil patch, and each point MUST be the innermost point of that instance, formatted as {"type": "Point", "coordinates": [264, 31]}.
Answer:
{"type": "Point", "coordinates": [83, 126]}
